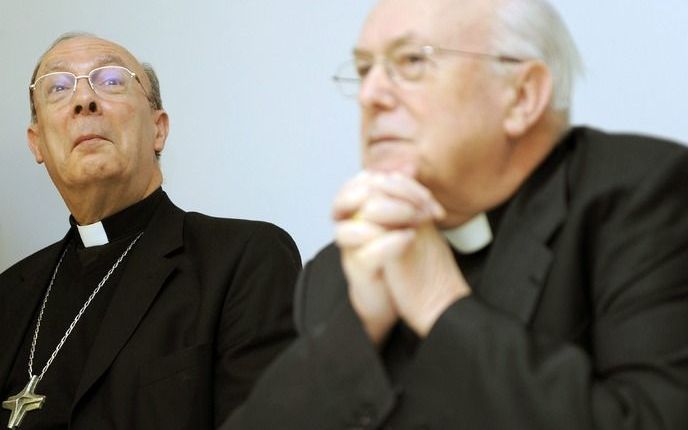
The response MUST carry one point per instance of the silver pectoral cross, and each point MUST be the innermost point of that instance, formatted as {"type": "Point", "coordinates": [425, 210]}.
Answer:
{"type": "Point", "coordinates": [24, 401]}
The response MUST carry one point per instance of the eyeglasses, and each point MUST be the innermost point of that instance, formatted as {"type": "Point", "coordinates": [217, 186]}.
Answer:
{"type": "Point", "coordinates": [109, 82]}
{"type": "Point", "coordinates": [405, 64]}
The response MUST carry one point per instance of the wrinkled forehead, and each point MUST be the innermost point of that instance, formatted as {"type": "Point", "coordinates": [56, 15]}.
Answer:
{"type": "Point", "coordinates": [80, 55]}
{"type": "Point", "coordinates": [448, 23]}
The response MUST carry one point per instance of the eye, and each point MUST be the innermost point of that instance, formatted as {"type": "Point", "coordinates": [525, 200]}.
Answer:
{"type": "Point", "coordinates": [410, 58]}
{"type": "Point", "coordinates": [107, 81]}
{"type": "Point", "coordinates": [362, 68]}
{"type": "Point", "coordinates": [410, 64]}
{"type": "Point", "coordinates": [110, 77]}
{"type": "Point", "coordinates": [57, 83]}
{"type": "Point", "coordinates": [111, 81]}
{"type": "Point", "coordinates": [56, 88]}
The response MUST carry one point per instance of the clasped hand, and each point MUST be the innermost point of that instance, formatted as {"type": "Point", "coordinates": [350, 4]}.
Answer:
{"type": "Point", "coordinates": [396, 262]}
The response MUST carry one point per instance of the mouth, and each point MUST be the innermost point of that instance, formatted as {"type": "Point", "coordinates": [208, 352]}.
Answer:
{"type": "Point", "coordinates": [88, 138]}
{"type": "Point", "coordinates": [386, 138]}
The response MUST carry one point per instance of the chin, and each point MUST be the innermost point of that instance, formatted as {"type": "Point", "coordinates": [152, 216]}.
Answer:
{"type": "Point", "coordinates": [404, 165]}
{"type": "Point", "coordinates": [388, 157]}
{"type": "Point", "coordinates": [96, 171]}
{"type": "Point", "coordinates": [386, 168]}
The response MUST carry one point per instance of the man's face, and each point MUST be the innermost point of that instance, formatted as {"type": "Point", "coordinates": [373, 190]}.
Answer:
{"type": "Point", "coordinates": [446, 128]}
{"type": "Point", "coordinates": [93, 139]}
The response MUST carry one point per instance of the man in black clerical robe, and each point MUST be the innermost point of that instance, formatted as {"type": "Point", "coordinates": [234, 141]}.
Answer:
{"type": "Point", "coordinates": [143, 316]}
{"type": "Point", "coordinates": [493, 268]}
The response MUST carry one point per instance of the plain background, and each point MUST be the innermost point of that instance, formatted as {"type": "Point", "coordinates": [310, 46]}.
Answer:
{"type": "Point", "coordinates": [258, 130]}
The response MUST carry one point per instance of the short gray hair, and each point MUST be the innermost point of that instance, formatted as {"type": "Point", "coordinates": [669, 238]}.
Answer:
{"type": "Point", "coordinates": [154, 97]}
{"type": "Point", "coordinates": [534, 29]}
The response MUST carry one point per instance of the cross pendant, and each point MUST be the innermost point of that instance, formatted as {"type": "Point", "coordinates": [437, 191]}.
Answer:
{"type": "Point", "coordinates": [24, 401]}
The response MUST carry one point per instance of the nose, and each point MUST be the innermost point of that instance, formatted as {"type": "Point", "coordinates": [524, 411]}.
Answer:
{"type": "Point", "coordinates": [377, 89]}
{"type": "Point", "coordinates": [85, 100]}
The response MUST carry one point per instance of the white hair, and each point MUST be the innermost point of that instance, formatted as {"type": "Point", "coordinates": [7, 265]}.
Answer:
{"type": "Point", "coordinates": [533, 29]}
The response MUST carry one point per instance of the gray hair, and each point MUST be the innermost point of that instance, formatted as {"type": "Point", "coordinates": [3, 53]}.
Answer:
{"type": "Point", "coordinates": [534, 29]}
{"type": "Point", "coordinates": [154, 97]}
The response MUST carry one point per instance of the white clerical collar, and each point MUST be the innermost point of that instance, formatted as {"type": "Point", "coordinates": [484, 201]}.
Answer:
{"type": "Point", "coordinates": [471, 236]}
{"type": "Point", "coordinates": [93, 234]}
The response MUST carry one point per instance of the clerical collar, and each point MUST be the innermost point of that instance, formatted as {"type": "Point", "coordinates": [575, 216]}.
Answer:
{"type": "Point", "coordinates": [120, 225]}
{"type": "Point", "coordinates": [471, 236]}
{"type": "Point", "coordinates": [92, 234]}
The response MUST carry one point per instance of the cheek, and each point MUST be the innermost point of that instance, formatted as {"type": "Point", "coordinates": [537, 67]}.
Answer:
{"type": "Point", "coordinates": [455, 150]}
{"type": "Point", "coordinates": [127, 118]}
{"type": "Point", "coordinates": [55, 139]}
{"type": "Point", "coordinates": [135, 127]}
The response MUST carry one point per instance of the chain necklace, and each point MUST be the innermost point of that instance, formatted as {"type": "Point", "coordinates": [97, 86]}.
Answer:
{"type": "Point", "coordinates": [27, 400]}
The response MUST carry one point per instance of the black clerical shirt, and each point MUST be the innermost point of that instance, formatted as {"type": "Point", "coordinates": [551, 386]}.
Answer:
{"type": "Point", "coordinates": [78, 275]}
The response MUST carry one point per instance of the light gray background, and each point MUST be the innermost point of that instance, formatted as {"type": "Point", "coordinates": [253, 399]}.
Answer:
{"type": "Point", "coordinates": [257, 129]}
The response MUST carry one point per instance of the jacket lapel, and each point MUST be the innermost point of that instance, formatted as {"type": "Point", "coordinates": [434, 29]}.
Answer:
{"type": "Point", "coordinates": [145, 273]}
{"type": "Point", "coordinates": [517, 267]}
{"type": "Point", "coordinates": [21, 301]}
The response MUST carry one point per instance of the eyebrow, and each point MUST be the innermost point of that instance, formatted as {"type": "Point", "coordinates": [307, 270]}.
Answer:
{"type": "Point", "coordinates": [399, 41]}
{"type": "Point", "coordinates": [101, 60]}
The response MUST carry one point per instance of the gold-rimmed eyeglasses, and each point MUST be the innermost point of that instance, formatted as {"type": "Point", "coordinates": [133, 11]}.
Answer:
{"type": "Point", "coordinates": [107, 82]}
{"type": "Point", "coordinates": [407, 64]}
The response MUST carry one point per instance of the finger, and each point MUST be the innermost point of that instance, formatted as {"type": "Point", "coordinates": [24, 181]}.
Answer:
{"type": "Point", "coordinates": [356, 232]}
{"type": "Point", "coordinates": [402, 187]}
{"type": "Point", "coordinates": [352, 195]}
{"type": "Point", "coordinates": [392, 212]}
{"type": "Point", "coordinates": [372, 256]}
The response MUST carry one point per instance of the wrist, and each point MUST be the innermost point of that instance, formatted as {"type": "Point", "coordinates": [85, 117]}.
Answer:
{"type": "Point", "coordinates": [378, 329]}
{"type": "Point", "coordinates": [424, 320]}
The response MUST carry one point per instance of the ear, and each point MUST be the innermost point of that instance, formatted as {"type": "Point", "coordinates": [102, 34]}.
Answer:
{"type": "Point", "coordinates": [162, 129]}
{"type": "Point", "coordinates": [532, 93]}
{"type": "Point", "coordinates": [34, 138]}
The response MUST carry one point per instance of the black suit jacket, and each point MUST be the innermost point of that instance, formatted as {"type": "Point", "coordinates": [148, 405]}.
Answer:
{"type": "Point", "coordinates": [202, 306]}
{"type": "Point", "coordinates": [580, 320]}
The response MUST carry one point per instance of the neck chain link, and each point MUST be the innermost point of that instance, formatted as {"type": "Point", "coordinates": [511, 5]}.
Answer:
{"type": "Point", "coordinates": [78, 315]}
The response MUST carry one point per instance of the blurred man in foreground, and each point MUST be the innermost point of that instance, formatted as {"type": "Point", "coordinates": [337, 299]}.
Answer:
{"type": "Point", "coordinates": [494, 268]}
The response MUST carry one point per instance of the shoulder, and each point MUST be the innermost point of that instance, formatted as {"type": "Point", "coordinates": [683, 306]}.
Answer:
{"type": "Point", "coordinates": [321, 287]}
{"type": "Point", "coordinates": [325, 263]}
{"type": "Point", "coordinates": [28, 264]}
{"type": "Point", "coordinates": [642, 143]}
{"type": "Point", "coordinates": [34, 265]}
{"type": "Point", "coordinates": [209, 235]}
{"type": "Point", "coordinates": [611, 168]}
{"type": "Point", "coordinates": [627, 196]}
{"type": "Point", "coordinates": [615, 158]}
{"type": "Point", "coordinates": [240, 229]}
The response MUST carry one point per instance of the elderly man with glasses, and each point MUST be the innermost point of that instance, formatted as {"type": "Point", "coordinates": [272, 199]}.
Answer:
{"type": "Point", "coordinates": [143, 316]}
{"type": "Point", "coordinates": [493, 267]}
